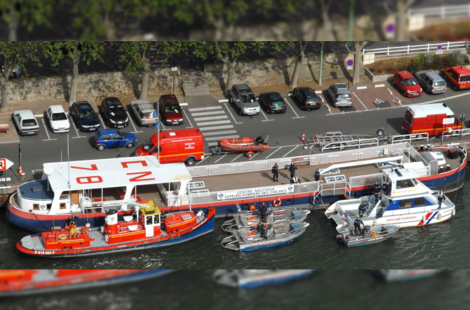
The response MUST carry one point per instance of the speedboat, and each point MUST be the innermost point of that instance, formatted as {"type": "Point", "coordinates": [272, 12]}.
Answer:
{"type": "Point", "coordinates": [254, 278]}
{"type": "Point", "coordinates": [370, 235]}
{"type": "Point", "coordinates": [391, 275]}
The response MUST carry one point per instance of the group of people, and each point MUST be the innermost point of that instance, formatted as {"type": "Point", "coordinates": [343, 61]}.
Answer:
{"type": "Point", "coordinates": [293, 176]}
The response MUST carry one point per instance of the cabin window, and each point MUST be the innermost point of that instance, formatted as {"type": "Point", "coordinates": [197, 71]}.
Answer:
{"type": "Point", "coordinates": [35, 206]}
{"type": "Point", "coordinates": [409, 118]}
{"type": "Point", "coordinates": [465, 78]}
{"type": "Point", "coordinates": [404, 184]}
{"type": "Point", "coordinates": [455, 76]}
{"type": "Point", "coordinates": [405, 204]}
{"type": "Point", "coordinates": [420, 202]}
{"type": "Point", "coordinates": [156, 219]}
{"type": "Point", "coordinates": [63, 206]}
{"type": "Point", "coordinates": [149, 220]}
{"type": "Point", "coordinates": [49, 205]}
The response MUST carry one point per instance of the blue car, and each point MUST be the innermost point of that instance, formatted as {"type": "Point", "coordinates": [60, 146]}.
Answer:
{"type": "Point", "coordinates": [113, 138]}
{"type": "Point", "coordinates": [85, 117]}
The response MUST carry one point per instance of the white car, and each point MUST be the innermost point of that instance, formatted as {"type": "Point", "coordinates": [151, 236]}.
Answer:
{"type": "Point", "coordinates": [26, 123]}
{"type": "Point", "coordinates": [16, 72]}
{"type": "Point", "coordinates": [57, 119]}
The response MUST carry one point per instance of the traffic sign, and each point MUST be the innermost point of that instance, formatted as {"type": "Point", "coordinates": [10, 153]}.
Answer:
{"type": "Point", "coordinates": [350, 67]}
{"type": "Point", "coordinates": [390, 28]}
{"type": "Point", "coordinates": [5, 164]}
{"type": "Point", "coordinates": [439, 47]}
{"type": "Point", "coordinates": [350, 62]}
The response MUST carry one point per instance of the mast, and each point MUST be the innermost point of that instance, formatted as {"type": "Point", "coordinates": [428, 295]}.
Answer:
{"type": "Point", "coordinates": [68, 157]}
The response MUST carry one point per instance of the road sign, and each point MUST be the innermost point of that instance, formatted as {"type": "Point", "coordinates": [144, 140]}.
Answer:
{"type": "Point", "coordinates": [439, 47]}
{"type": "Point", "coordinates": [5, 164]}
{"type": "Point", "coordinates": [390, 30]}
{"type": "Point", "coordinates": [447, 121]}
{"type": "Point", "coordinates": [350, 67]}
{"type": "Point", "coordinates": [174, 68]}
{"type": "Point", "coordinates": [350, 62]}
{"type": "Point", "coordinates": [439, 50]}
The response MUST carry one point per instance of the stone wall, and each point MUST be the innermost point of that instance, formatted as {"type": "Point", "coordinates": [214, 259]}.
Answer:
{"type": "Point", "coordinates": [278, 71]}
{"type": "Point", "coordinates": [96, 85]}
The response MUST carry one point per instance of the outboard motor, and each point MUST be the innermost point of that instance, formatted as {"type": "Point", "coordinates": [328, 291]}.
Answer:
{"type": "Point", "coordinates": [448, 167]}
{"type": "Point", "coordinates": [421, 148]}
{"type": "Point", "coordinates": [259, 139]}
{"type": "Point", "coordinates": [111, 221]}
{"type": "Point", "coordinates": [340, 239]}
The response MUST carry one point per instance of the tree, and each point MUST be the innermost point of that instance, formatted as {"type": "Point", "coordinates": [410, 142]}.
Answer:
{"type": "Point", "coordinates": [11, 55]}
{"type": "Point", "coordinates": [300, 61]}
{"type": "Point", "coordinates": [358, 46]}
{"type": "Point", "coordinates": [76, 51]}
{"type": "Point", "coordinates": [103, 18]}
{"type": "Point", "coordinates": [25, 12]}
{"type": "Point", "coordinates": [400, 16]}
{"type": "Point", "coordinates": [228, 52]}
{"type": "Point", "coordinates": [137, 56]}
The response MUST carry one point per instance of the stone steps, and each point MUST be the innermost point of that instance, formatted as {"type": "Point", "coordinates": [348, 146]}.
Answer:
{"type": "Point", "coordinates": [194, 83]}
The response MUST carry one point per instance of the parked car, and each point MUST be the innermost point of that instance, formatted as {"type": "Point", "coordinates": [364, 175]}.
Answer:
{"type": "Point", "coordinates": [407, 84]}
{"type": "Point", "coordinates": [244, 99]}
{"type": "Point", "coordinates": [144, 112]}
{"type": "Point", "coordinates": [170, 110]}
{"type": "Point", "coordinates": [26, 123]}
{"type": "Point", "coordinates": [114, 113]}
{"type": "Point", "coordinates": [306, 98]}
{"type": "Point", "coordinates": [340, 95]}
{"type": "Point", "coordinates": [458, 76]}
{"type": "Point", "coordinates": [113, 138]}
{"type": "Point", "coordinates": [431, 82]}
{"type": "Point", "coordinates": [16, 71]}
{"type": "Point", "coordinates": [273, 102]}
{"type": "Point", "coordinates": [85, 117]}
{"type": "Point", "coordinates": [57, 118]}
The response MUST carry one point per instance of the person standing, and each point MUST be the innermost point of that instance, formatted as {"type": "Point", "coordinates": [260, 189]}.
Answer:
{"type": "Point", "coordinates": [376, 191]}
{"type": "Point", "coordinates": [292, 169]}
{"type": "Point", "coordinates": [263, 210]}
{"type": "Point", "coordinates": [295, 179]}
{"type": "Point", "coordinates": [386, 188]}
{"type": "Point", "coordinates": [441, 197]}
{"type": "Point", "coordinates": [275, 171]}
{"type": "Point", "coordinates": [317, 175]}
{"type": "Point", "coordinates": [357, 225]}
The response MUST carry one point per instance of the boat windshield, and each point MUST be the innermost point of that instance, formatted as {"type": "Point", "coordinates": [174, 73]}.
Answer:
{"type": "Point", "coordinates": [406, 183]}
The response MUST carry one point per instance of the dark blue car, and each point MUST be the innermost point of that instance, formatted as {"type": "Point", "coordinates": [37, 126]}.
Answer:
{"type": "Point", "coordinates": [113, 138]}
{"type": "Point", "coordinates": [84, 116]}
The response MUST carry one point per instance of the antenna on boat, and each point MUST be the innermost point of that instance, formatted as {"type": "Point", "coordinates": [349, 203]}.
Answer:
{"type": "Point", "coordinates": [68, 157]}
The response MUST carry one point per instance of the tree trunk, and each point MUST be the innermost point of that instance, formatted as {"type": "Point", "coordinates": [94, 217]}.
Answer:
{"type": "Point", "coordinates": [357, 66]}
{"type": "Point", "coordinates": [219, 25]}
{"type": "Point", "coordinates": [230, 74]}
{"type": "Point", "coordinates": [298, 64]}
{"type": "Point", "coordinates": [110, 27]}
{"type": "Point", "coordinates": [401, 32]}
{"type": "Point", "coordinates": [145, 77]}
{"type": "Point", "coordinates": [73, 90]}
{"type": "Point", "coordinates": [13, 24]}
{"type": "Point", "coordinates": [3, 90]}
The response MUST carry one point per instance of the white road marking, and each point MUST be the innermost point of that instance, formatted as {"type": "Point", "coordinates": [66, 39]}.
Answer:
{"type": "Point", "coordinates": [254, 156]}
{"type": "Point", "coordinates": [273, 152]}
{"type": "Point", "coordinates": [76, 131]}
{"type": "Point", "coordinates": [218, 117]}
{"type": "Point", "coordinates": [205, 108]}
{"type": "Point", "coordinates": [205, 157]}
{"type": "Point", "coordinates": [267, 120]}
{"type": "Point", "coordinates": [47, 132]}
{"type": "Point", "coordinates": [213, 123]}
{"type": "Point", "coordinates": [361, 101]}
{"type": "Point", "coordinates": [188, 119]}
{"type": "Point", "coordinates": [290, 151]}
{"type": "Point", "coordinates": [297, 116]}
{"type": "Point", "coordinates": [215, 127]}
{"type": "Point", "coordinates": [206, 113]}
{"type": "Point", "coordinates": [232, 115]}
{"type": "Point", "coordinates": [219, 133]}
{"type": "Point", "coordinates": [212, 143]}
{"type": "Point", "coordinates": [132, 122]}
{"type": "Point", "coordinates": [323, 101]}
{"type": "Point", "coordinates": [220, 158]}
{"type": "Point", "coordinates": [221, 137]}
{"type": "Point", "coordinates": [102, 121]}
{"type": "Point", "coordinates": [236, 158]}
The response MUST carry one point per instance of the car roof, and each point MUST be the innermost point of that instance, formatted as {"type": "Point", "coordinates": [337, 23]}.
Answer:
{"type": "Point", "coordinates": [405, 74]}
{"type": "Point", "coordinates": [25, 113]}
{"type": "Point", "coordinates": [84, 105]}
{"type": "Point", "coordinates": [112, 100]}
{"type": "Point", "coordinates": [170, 99]}
{"type": "Point", "coordinates": [423, 110]}
{"type": "Point", "coordinates": [434, 75]}
{"type": "Point", "coordinates": [242, 86]}
{"type": "Point", "coordinates": [57, 108]}
{"type": "Point", "coordinates": [461, 70]}
{"type": "Point", "coordinates": [108, 131]}
{"type": "Point", "coordinates": [144, 105]}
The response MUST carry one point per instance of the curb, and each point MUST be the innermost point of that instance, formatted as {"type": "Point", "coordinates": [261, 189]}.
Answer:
{"type": "Point", "coordinates": [223, 100]}
{"type": "Point", "coordinates": [183, 103]}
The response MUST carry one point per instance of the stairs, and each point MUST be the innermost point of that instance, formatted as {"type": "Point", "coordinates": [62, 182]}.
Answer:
{"type": "Point", "coordinates": [194, 83]}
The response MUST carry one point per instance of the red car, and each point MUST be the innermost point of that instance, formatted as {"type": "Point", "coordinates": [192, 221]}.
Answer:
{"type": "Point", "coordinates": [407, 83]}
{"type": "Point", "coordinates": [170, 110]}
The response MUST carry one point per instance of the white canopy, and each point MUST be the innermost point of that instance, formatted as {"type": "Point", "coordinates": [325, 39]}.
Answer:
{"type": "Point", "coordinates": [113, 172]}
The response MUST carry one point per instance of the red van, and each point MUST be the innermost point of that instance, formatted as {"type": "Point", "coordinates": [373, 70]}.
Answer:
{"type": "Point", "coordinates": [458, 76]}
{"type": "Point", "coordinates": [429, 118]}
{"type": "Point", "coordinates": [175, 146]}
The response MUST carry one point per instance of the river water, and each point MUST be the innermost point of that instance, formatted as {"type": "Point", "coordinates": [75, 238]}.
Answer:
{"type": "Point", "coordinates": [442, 246]}
{"type": "Point", "coordinates": [322, 290]}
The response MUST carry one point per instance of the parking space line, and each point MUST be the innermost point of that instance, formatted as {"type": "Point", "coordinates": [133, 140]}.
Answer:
{"type": "Point", "coordinates": [273, 152]}
{"type": "Point", "coordinates": [232, 115]}
{"type": "Point", "coordinates": [215, 117]}
{"type": "Point", "coordinates": [254, 156]}
{"type": "Point", "coordinates": [215, 127]}
{"type": "Point", "coordinates": [297, 116]}
{"type": "Point", "coordinates": [267, 120]}
{"type": "Point", "coordinates": [76, 131]}
{"type": "Point", "coordinates": [47, 132]}
{"type": "Point", "coordinates": [205, 113]}
{"type": "Point", "coordinates": [205, 157]}
{"type": "Point", "coordinates": [219, 159]}
{"type": "Point", "coordinates": [102, 121]}
{"type": "Point", "coordinates": [290, 151]}
{"type": "Point", "coordinates": [220, 133]}
{"type": "Point", "coordinates": [132, 122]}
{"type": "Point", "coordinates": [361, 101]}
{"type": "Point", "coordinates": [205, 108]}
{"type": "Point", "coordinates": [236, 158]}
{"type": "Point", "coordinates": [323, 101]}
{"type": "Point", "coordinates": [188, 119]}
{"type": "Point", "coordinates": [214, 123]}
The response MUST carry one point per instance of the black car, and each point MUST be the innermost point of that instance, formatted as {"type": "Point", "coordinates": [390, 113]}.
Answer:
{"type": "Point", "coordinates": [84, 116]}
{"type": "Point", "coordinates": [307, 98]}
{"type": "Point", "coordinates": [114, 113]}
{"type": "Point", "coordinates": [273, 102]}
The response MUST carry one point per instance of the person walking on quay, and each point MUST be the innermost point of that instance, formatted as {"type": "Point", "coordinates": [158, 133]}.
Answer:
{"type": "Point", "coordinates": [292, 169]}
{"type": "Point", "coordinates": [441, 197]}
{"type": "Point", "coordinates": [376, 191]}
{"type": "Point", "coordinates": [295, 179]}
{"type": "Point", "coordinates": [317, 175]}
{"type": "Point", "coordinates": [275, 171]}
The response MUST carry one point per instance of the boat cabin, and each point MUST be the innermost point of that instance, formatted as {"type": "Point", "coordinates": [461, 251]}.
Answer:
{"type": "Point", "coordinates": [403, 182]}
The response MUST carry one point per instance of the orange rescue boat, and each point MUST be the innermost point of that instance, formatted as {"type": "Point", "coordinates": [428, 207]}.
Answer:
{"type": "Point", "coordinates": [248, 145]}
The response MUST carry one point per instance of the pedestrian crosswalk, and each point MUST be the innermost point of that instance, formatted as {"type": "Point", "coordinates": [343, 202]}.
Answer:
{"type": "Point", "coordinates": [214, 124]}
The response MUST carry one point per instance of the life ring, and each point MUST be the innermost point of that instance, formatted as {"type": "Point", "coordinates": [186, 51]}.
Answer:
{"type": "Point", "coordinates": [252, 208]}
{"type": "Point", "coordinates": [62, 236]}
{"type": "Point", "coordinates": [439, 216]}
{"type": "Point", "coordinates": [277, 202]}
{"type": "Point", "coordinates": [364, 180]}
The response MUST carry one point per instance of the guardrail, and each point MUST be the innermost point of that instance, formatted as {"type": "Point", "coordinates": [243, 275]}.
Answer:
{"type": "Point", "coordinates": [442, 11]}
{"type": "Point", "coordinates": [409, 138]}
{"type": "Point", "coordinates": [412, 49]}
{"type": "Point", "coordinates": [354, 143]}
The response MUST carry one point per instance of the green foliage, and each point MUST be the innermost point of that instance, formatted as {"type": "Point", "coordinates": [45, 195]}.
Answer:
{"type": "Point", "coordinates": [28, 13]}
{"type": "Point", "coordinates": [451, 60]}
{"type": "Point", "coordinates": [226, 50]}
{"type": "Point", "coordinates": [82, 51]}
{"type": "Point", "coordinates": [18, 53]}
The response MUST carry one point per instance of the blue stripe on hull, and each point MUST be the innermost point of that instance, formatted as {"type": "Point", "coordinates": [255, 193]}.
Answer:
{"type": "Point", "coordinates": [267, 245]}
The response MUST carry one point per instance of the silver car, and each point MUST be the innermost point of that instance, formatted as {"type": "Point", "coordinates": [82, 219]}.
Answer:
{"type": "Point", "coordinates": [340, 95]}
{"type": "Point", "coordinates": [145, 112]}
{"type": "Point", "coordinates": [26, 123]}
{"type": "Point", "coordinates": [431, 82]}
{"type": "Point", "coordinates": [244, 99]}
{"type": "Point", "coordinates": [15, 72]}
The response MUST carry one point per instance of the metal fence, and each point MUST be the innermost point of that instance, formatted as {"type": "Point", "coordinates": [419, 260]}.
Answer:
{"type": "Point", "coordinates": [409, 138]}
{"type": "Point", "coordinates": [414, 49]}
{"type": "Point", "coordinates": [442, 11]}
{"type": "Point", "coordinates": [365, 180]}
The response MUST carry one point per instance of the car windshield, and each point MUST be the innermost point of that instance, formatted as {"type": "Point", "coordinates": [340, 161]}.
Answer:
{"type": "Point", "coordinates": [29, 122]}
{"type": "Point", "coordinates": [59, 116]}
{"type": "Point", "coordinates": [117, 110]}
{"type": "Point", "coordinates": [172, 108]}
{"type": "Point", "coordinates": [97, 135]}
{"type": "Point", "coordinates": [411, 82]}
{"type": "Point", "coordinates": [248, 98]}
{"type": "Point", "coordinates": [87, 114]}
{"type": "Point", "coordinates": [344, 96]}
{"type": "Point", "coordinates": [148, 146]}
{"type": "Point", "coordinates": [278, 102]}
{"type": "Point", "coordinates": [440, 83]}
{"type": "Point", "coordinates": [122, 134]}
